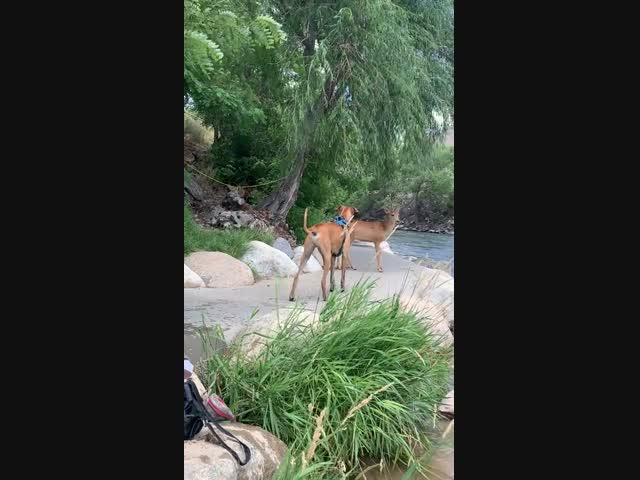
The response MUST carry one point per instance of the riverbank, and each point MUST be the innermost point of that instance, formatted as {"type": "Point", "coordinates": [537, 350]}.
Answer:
{"type": "Point", "coordinates": [446, 228]}
{"type": "Point", "coordinates": [232, 308]}
{"type": "Point", "coordinates": [238, 308]}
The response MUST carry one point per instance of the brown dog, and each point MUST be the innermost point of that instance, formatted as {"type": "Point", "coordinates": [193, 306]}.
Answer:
{"type": "Point", "coordinates": [329, 238]}
{"type": "Point", "coordinates": [376, 232]}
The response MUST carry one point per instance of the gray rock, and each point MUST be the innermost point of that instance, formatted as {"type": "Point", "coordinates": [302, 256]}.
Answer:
{"type": "Point", "coordinates": [312, 265]}
{"type": "Point", "coordinates": [206, 461]}
{"type": "Point", "coordinates": [436, 289]}
{"type": "Point", "coordinates": [192, 279]}
{"type": "Point", "coordinates": [238, 219]}
{"type": "Point", "coordinates": [219, 270]}
{"type": "Point", "coordinates": [447, 404]}
{"type": "Point", "coordinates": [282, 245]}
{"type": "Point", "coordinates": [202, 456]}
{"type": "Point", "coordinates": [252, 338]}
{"type": "Point", "coordinates": [233, 200]}
{"type": "Point", "coordinates": [268, 262]}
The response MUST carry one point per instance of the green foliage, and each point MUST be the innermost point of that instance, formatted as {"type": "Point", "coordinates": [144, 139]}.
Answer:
{"type": "Point", "coordinates": [224, 40]}
{"type": "Point", "coordinates": [388, 54]}
{"type": "Point", "coordinates": [425, 181]}
{"type": "Point", "coordinates": [196, 131]}
{"type": "Point", "coordinates": [232, 242]}
{"type": "Point", "coordinates": [376, 370]}
{"type": "Point", "coordinates": [355, 89]}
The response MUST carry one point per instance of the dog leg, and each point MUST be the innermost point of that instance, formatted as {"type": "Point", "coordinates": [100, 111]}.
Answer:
{"type": "Point", "coordinates": [328, 264]}
{"type": "Point", "coordinates": [343, 271]}
{"type": "Point", "coordinates": [308, 250]}
{"type": "Point", "coordinates": [378, 256]}
{"type": "Point", "coordinates": [331, 279]}
{"type": "Point", "coordinates": [346, 258]}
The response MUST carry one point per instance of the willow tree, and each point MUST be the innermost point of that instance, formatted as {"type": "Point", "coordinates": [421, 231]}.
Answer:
{"type": "Point", "coordinates": [374, 78]}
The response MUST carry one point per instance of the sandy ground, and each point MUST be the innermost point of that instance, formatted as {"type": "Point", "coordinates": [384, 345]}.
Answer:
{"type": "Point", "coordinates": [231, 308]}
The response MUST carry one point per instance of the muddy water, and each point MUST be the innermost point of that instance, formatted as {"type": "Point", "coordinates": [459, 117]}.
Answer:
{"type": "Point", "coordinates": [438, 467]}
{"type": "Point", "coordinates": [193, 344]}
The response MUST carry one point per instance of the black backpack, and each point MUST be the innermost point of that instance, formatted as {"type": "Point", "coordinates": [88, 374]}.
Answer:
{"type": "Point", "coordinates": [197, 416]}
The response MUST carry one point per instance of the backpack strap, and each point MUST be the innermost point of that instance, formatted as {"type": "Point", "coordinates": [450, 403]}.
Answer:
{"type": "Point", "coordinates": [245, 448]}
{"type": "Point", "coordinates": [208, 420]}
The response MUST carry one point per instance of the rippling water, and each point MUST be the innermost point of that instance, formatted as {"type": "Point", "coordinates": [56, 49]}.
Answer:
{"type": "Point", "coordinates": [435, 246]}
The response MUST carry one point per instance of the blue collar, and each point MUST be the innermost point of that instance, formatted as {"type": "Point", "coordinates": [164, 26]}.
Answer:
{"type": "Point", "coordinates": [340, 221]}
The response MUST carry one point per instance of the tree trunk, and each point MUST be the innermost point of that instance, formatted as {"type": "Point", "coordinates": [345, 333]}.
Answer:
{"type": "Point", "coordinates": [282, 198]}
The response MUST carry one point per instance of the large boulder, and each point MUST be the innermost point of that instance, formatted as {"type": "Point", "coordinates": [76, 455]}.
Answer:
{"type": "Point", "coordinates": [432, 315]}
{"type": "Point", "coordinates": [447, 405]}
{"type": "Point", "coordinates": [282, 245]}
{"type": "Point", "coordinates": [312, 264]}
{"type": "Point", "coordinates": [219, 270]}
{"type": "Point", "coordinates": [192, 279]}
{"type": "Point", "coordinates": [205, 459]}
{"type": "Point", "coordinates": [267, 261]}
{"type": "Point", "coordinates": [436, 289]}
{"type": "Point", "coordinates": [384, 246]}
{"type": "Point", "coordinates": [252, 338]}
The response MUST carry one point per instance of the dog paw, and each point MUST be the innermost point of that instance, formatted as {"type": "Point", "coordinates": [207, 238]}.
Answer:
{"type": "Point", "coordinates": [291, 299]}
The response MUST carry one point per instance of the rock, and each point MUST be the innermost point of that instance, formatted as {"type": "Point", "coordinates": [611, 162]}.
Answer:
{"type": "Point", "coordinates": [384, 246]}
{"type": "Point", "coordinates": [435, 264]}
{"type": "Point", "coordinates": [446, 406]}
{"type": "Point", "coordinates": [282, 245]}
{"type": "Point", "coordinates": [219, 270]}
{"type": "Point", "coordinates": [432, 314]}
{"type": "Point", "coordinates": [251, 339]}
{"type": "Point", "coordinates": [436, 288]}
{"type": "Point", "coordinates": [267, 452]}
{"type": "Point", "coordinates": [191, 185]}
{"type": "Point", "coordinates": [316, 254]}
{"type": "Point", "coordinates": [239, 219]}
{"type": "Point", "coordinates": [312, 264]}
{"type": "Point", "coordinates": [232, 200]}
{"type": "Point", "coordinates": [192, 279]}
{"type": "Point", "coordinates": [268, 262]}
{"type": "Point", "coordinates": [206, 461]}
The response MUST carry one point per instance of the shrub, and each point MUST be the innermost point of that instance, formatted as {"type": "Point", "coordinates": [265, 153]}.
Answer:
{"type": "Point", "coordinates": [368, 376]}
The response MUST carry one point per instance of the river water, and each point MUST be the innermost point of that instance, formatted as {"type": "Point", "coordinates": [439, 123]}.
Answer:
{"type": "Point", "coordinates": [436, 246]}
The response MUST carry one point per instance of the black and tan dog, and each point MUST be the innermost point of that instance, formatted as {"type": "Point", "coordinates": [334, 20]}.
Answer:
{"type": "Point", "coordinates": [329, 238]}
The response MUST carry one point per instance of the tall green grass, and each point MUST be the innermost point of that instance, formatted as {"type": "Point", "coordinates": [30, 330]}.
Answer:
{"type": "Point", "coordinates": [363, 382]}
{"type": "Point", "coordinates": [230, 241]}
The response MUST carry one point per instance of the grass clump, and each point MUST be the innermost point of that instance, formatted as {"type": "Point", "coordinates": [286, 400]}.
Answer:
{"type": "Point", "coordinates": [363, 382]}
{"type": "Point", "coordinates": [230, 241]}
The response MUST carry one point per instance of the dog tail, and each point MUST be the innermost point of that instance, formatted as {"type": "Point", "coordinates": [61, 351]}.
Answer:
{"type": "Point", "coordinates": [305, 222]}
